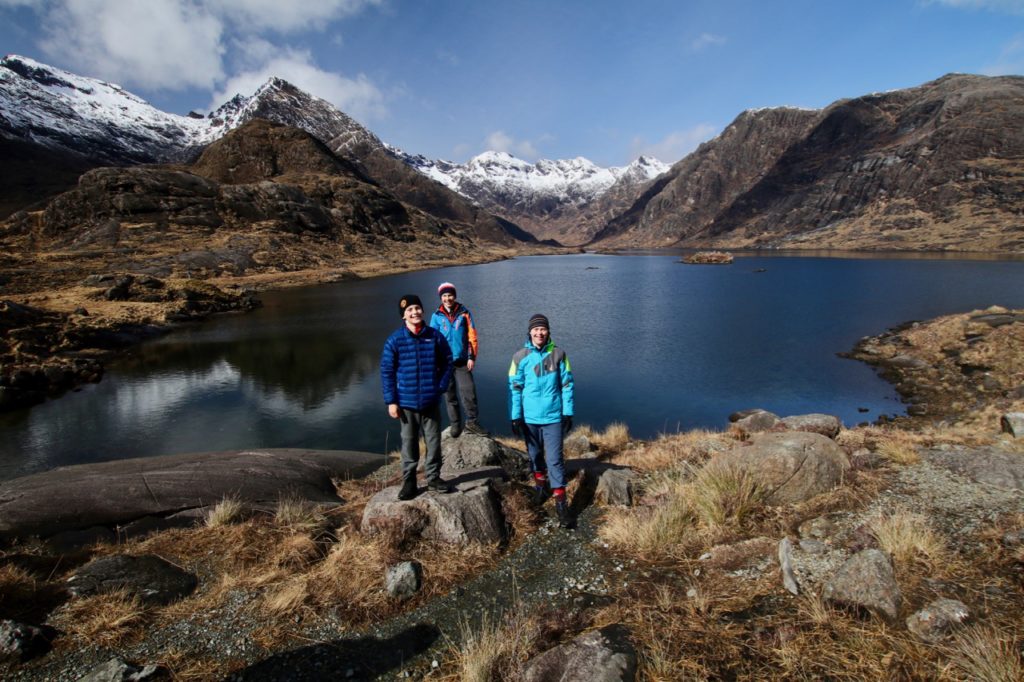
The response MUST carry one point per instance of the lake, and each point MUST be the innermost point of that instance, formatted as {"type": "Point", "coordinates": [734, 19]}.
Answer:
{"type": "Point", "coordinates": [653, 343]}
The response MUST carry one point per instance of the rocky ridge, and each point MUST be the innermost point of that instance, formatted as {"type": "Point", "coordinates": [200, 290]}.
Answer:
{"type": "Point", "coordinates": [938, 166]}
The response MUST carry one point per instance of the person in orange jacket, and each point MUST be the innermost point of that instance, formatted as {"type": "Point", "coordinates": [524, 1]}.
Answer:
{"type": "Point", "coordinates": [455, 323]}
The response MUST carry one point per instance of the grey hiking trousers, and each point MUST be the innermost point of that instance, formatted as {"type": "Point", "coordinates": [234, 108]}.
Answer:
{"type": "Point", "coordinates": [461, 386]}
{"type": "Point", "coordinates": [428, 424]}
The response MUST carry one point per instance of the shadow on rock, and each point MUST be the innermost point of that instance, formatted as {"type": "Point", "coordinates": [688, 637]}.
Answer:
{"type": "Point", "coordinates": [354, 659]}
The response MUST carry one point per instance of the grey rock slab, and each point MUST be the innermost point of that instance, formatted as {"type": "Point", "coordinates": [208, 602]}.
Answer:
{"type": "Point", "coordinates": [116, 670]}
{"type": "Point", "coordinates": [20, 642]}
{"type": "Point", "coordinates": [615, 487]}
{"type": "Point", "coordinates": [604, 655]}
{"type": "Point", "coordinates": [994, 467]}
{"type": "Point", "coordinates": [792, 467]}
{"type": "Point", "coordinates": [403, 580]}
{"type": "Point", "coordinates": [117, 492]}
{"type": "Point", "coordinates": [152, 579]}
{"type": "Point", "coordinates": [786, 563]}
{"type": "Point", "coordinates": [1013, 424]}
{"type": "Point", "coordinates": [472, 513]}
{"type": "Point", "coordinates": [866, 581]}
{"type": "Point", "coordinates": [577, 444]}
{"type": "Point", "coordinates": [934, 622]}
{"type": "Point", "coordinates": [826, 424]}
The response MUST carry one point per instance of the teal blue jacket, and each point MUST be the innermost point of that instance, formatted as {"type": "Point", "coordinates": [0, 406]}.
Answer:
{"type": "Point", "coordinates": [540, 384]}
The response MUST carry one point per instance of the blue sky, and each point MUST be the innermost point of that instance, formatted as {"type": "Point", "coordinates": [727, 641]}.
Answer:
{"type": "Point", "coordinates": [449, 79]}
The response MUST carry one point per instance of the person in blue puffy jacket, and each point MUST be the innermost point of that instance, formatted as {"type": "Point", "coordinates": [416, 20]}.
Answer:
{"type": "Point", "coordinates": [540, 388]}
{"type": "Point", "coordinates": [415, 369]}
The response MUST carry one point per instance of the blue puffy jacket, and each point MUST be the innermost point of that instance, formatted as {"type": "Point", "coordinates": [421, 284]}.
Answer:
{"type": "Point", "coordinates": [540, 384]}
{"type": "Point", "coordinates": [415, 368]}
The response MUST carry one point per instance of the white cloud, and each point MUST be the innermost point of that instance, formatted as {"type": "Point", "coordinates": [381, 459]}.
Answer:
{"type": "Point", "coordinates": [1010, 60]}
{"type": "Point", "coordinates": [160, 44]}
{"type": "Point", "coordinates": [499, 141]}
{"type": "Point", "coordinates": [357, 97]}
{"type": "Point", "coordinates": [447, 56]}
{"type": "Point", "coordinates": [283, 16]}
{"type": "Point", "coordinates": [1010, 6]}
{"type": "Point", "coordinates": [706, 40]}
{"type": "Point", "coordinates": [675, 145]}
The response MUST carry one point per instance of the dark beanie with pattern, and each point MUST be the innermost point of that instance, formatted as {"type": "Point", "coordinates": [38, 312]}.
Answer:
{"type": "Point", "coordinates": [408, 300]}
{"type": "Point", "coordinates": [538, 320]}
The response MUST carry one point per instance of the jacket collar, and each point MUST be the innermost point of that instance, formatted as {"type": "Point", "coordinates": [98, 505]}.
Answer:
{"type": "Point", "coordinates": [456, 309]}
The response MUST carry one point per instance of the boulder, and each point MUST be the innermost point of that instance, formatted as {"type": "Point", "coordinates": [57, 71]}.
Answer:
{"type": "Point", "coordinates": [468, 451]}
{"type": "Point", "coordinates": [152, 579]}
{"type": "Point", "coordinates": [934, 622]}
{"type": "Point", "coordinates": [615, 487]}
{"type": "Point", "coordinates": [116, 670]}
{"type": "Point", "coordinates": [20, 642]}
{"type": "Point", "coordinates": [825, 424]}
{"type": "Point", "coordinates": [758, 422]}
{"type": "Point", "coordinates": [472, 513]}
{"type": "Point", "coordinates": [866, 581]}
{"type": "Point", "coordinates": [402, 581]}
{"type": "Point", "coordinates": [1013, 424]}
{"type": "Point", "coordinates": [577, 444]}
{"type": "Point", "coordinates": [121, 491]}
{"type": "Point", "coordinates": [906, 362]}
{"type": "Point", "coordinates": [604, 655]}
{"type": "Point", "coordinates": [792, 467]}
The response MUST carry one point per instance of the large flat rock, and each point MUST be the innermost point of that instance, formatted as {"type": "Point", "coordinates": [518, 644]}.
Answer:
{"type": "Point", "coordinates": [109, 493]}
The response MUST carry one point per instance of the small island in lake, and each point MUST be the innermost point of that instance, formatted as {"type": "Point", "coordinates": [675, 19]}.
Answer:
{"type": "Point", "coordinates": [708, 258]}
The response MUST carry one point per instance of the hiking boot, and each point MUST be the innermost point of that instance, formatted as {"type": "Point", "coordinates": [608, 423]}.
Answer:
{"type": "Point", "coordinates": [409, 489]}
{"type": "Point", "coordinates": [439, 485]}
{"type": "Point", "coordinates": [473, 426]}
{"type": "Point", "coordinates": [455, 430]}
{"type": "Point", "coordinates": [566, 519]}
{"type": "Point", "coordinates": [540, 495]}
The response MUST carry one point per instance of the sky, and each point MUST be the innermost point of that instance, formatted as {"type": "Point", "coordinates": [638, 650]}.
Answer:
{"type": "Point", "coordinates": [603, 79]}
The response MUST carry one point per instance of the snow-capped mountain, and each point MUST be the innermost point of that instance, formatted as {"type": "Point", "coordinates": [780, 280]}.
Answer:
{"type": "Point", "coordinates": [492, 174]}
{"type": "Point", "coordinates": [539, 196]}
{"type": "Point", "coordinates": [107, 125]}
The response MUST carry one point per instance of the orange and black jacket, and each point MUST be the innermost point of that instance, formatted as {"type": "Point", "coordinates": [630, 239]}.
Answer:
{"type": "Point", "coordinates": [458, 329]}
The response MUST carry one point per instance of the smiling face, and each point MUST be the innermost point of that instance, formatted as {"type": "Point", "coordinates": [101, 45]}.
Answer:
{"type": "Point", "coordinates": [413, 315]}
{"type": "Point", "coordinates": [539, 336]}
{"type": "Point", "coordinates": [448, 300]}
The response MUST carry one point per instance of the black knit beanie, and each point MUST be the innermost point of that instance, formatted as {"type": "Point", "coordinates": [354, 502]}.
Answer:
{"type": "Point", "coordinates": [538, 320]}
{"type": "Point", "coordinates": [408, 300]}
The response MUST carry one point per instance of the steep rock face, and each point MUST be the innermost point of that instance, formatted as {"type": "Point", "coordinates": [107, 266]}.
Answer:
{"type": "Point", "coordinates": [940, 166]}
{"type": "Point", "coordinates": [684, 201]}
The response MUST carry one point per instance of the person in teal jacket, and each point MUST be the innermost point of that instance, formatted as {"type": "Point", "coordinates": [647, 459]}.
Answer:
{"type": "Point", "coordinates": [540, 388]}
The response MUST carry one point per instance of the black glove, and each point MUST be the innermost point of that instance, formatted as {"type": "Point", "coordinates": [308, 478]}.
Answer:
{"type": "Point", "coordinates": [517, 427]}
{"type": "Point", "coordinates": [566, 423]}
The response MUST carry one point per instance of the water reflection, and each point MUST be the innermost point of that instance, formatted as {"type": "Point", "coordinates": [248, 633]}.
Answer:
{"type": "Point", "coordinates": [655, 344]}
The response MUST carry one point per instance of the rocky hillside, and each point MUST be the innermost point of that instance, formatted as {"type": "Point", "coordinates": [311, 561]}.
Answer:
{"type": "Point", "coordinates": [264, 198]}
{"type": "Point", "coordinates": [940, 166]}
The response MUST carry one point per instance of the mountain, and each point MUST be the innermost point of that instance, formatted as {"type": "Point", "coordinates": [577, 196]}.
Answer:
{"type": "Point", "coordinates": [938, 166]}
{"type": "Point", "coordinates": [546, 197]}
{"type": "Point", "coordinates": [98, 123]}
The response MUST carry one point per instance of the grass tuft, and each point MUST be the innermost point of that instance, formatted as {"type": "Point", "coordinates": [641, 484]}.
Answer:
{"type": "Point", "coordinates": [907, 537]}
{"type": "Point", "coordinates": [104, 620]}
{"type": "Point", "coordinates": [724, 495]}
{"type": "Point", "coordinates": [495, 650]}
{"type": "Point", "coordinates": [986, 654]}
{"type": "Point", "coordinates": [226, 512]}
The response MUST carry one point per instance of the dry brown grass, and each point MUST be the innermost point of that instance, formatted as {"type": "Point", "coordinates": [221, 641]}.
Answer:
{"type": "Point", "coordinates": [984, 653]}
{"type": "Point", "coordinates": [672, 451]}
{"type": "Point", "coordinates": [104, 620]}
{"type": "Point", "coordinates": [614, 438]}
{"type": "Point", "coordinates": [494, 650]}
{"type": "Point", "coordinates": [724, 496]}
{"type": "Point", "coordinates": [226, 512]}
{"type": "Point", "coordinates": [908, 537]}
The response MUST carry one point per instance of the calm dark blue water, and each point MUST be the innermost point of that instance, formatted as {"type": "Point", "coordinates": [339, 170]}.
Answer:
{"type": "Point", "coordinates": [653, 343]}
